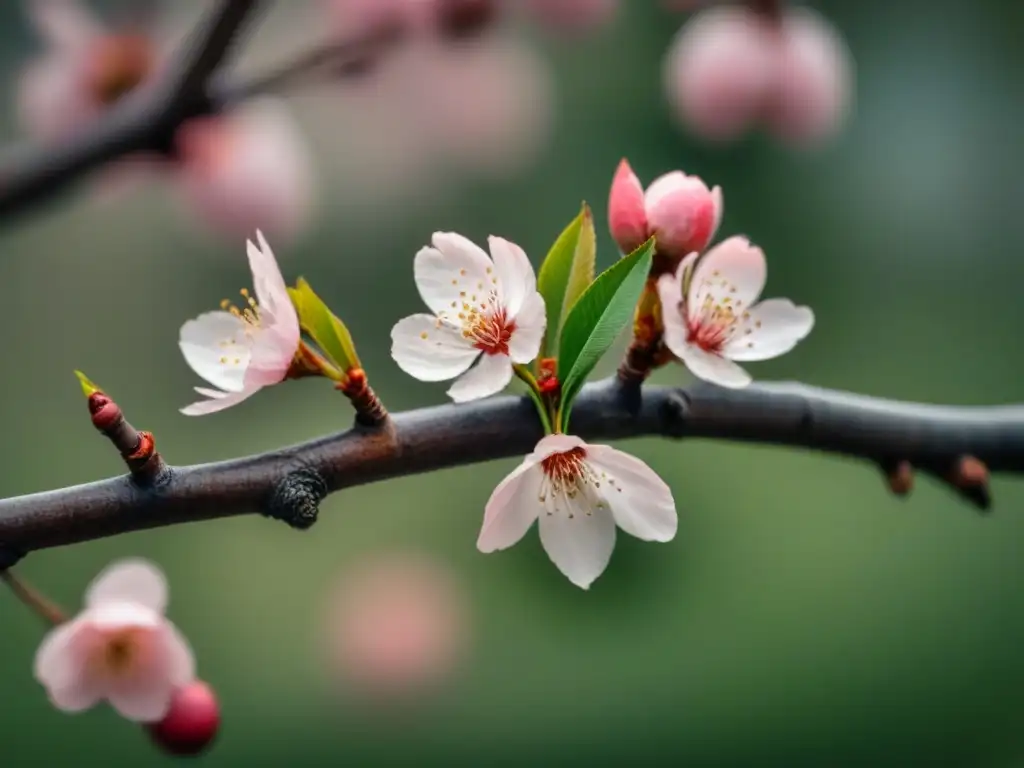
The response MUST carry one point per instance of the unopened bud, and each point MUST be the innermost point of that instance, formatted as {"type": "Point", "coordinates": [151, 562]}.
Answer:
{"type": "Point", "coordinates": [627, 218]}
{"type": "Point", "coordinates": [191, 723]}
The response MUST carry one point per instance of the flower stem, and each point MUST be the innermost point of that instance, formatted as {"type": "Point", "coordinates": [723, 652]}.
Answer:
{"type": "Point", "coordinates": [43, 607]}
{"type": "Point", "coordinates": [539, 401]}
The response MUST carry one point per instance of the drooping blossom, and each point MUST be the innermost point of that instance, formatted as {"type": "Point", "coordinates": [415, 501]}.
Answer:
{"type": "Point", "coordinates": [85, 68]}
{"type": "Point", "coordinates": [679, 210]}
{"type": "Point", "coordinates": [713, 318]}
{"type": "Point", "coordinates": [246, 168]}
{"type": "Point", "coordinates": [396, 625]}
{"type": "Point", "coordinates": [732, 68]}
{"type": "Point", "coordinates": [578, 493]}
{"type": "Point", "coordinates": [485, 310]}
{"type": "Point", "coordinates": [243, 350]}
{"type": "Point", "coordinates": [120, 648]}
{"type": "Point", "coordinates": [191, 722]}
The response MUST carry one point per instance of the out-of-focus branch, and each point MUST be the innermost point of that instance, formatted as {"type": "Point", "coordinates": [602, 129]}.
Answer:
{"type": "Point", "coordinates": [145, 122]}
{"type": "Point", "coordinates": [958, 446]}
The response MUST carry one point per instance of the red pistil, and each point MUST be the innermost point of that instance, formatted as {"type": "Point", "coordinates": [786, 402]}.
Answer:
{"type": "Point", "coordinates": [710, 337]}
{"type": "Point", "coordinates": [565, 468]}
{"type": "Point", "coordinates": [492, 333]}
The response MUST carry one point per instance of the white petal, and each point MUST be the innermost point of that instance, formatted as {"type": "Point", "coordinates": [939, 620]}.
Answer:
{"type": "Point", "coordinates": [218, 401]}
{"type": "Point", "coordinates": [733, 269]}
{"type": "Point", "coordinates": [516, 279]}
{"type": "Point", "coordinates": [272, 352]}
{"type": "Point", "coordinates": [512, 508]}
{"type": "Point", "coordinates": [488, 377]}
{"type": "Point", "coordinates": [711, 367]}
{"type": "Point", "coordinates": [580, 546]}
{"type": "Point", "coordinates": [452, 267]}
{"type": "Point", "coordinates": [268, 283]}
{"type": "Point", "coordinates": [772, 328]}
{"type": "Point", "coordinates": [429, 351]}
{"type": "Point", "coordinates": [180, 662]}
{"type": "Point", "coordinates": [670, 295]}
{"type": "Point", "coordinates": [557, 443]}
{"type": "Point", "coordinates": [641, 502]}
{"type": "Point", "coordinates": [130, 581]}
{"type": "Point", "coordinates": [111, 617]}
{"type": "Point", "coordinates": [531, 321]}
{"type": "Point", "coordinates": [65, 24]}
{"type": "Point", "coordinates": [141, 701]}
{"type": "Point", "coordinates": [61, 657]}
{"type": "Point", "coordinates": [216, 347]}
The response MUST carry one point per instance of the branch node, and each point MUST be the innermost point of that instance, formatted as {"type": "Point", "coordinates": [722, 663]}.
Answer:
{"type": "Point", "coordinates": [296, 499]}
{"type": "Point", "coordinates": [970, 476]}
{"type": "Point", "coordinates": [370, 411]}
{"type": "Point", "coordinates": [899, 477]}
{"type": "Point", "coordinates": [138, 449]}
{"type": "Point", "coordinates": [676, 412]}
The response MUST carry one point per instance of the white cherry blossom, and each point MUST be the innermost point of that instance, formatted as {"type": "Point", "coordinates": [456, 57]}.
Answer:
{"type": "Point", "coordinates": [120, 648]}
{"type": "Point", "coordinates": [484, 308]}
{"type": "Point", "coordinates": [578, 493]}
{"type": "Point", "coordinates": [243, 350]}
{"type": "Point", "coordinates": [713, 319]}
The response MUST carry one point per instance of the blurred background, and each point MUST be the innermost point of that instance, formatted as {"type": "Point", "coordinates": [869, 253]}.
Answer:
{"type": "Point", "coordinates": [801, 617]}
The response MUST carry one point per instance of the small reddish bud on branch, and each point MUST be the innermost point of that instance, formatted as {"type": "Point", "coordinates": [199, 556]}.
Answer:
{"type": "Point", "coordinates": [192, 722]}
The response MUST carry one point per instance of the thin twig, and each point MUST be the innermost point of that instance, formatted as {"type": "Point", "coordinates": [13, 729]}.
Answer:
{"type": "Point", "coordinates": [42, 606]}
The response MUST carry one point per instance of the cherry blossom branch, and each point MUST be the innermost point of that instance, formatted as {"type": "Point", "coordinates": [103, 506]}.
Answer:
{"type": "Point", "coordinates": [957, 445]}
{"type": "Point", "coordinates": [146, 122]}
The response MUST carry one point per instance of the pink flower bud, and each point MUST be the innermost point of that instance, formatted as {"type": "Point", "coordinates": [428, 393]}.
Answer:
{"type": "Point", "coordinates": [813, 93]}
{"type": "Point", "coordinates": [720, 71]}
{"type": "Point", "coordinates": [191, 723]}
{"type": "Point", "coordinates": [573, 14]}
{"type": "Point", "coordinates": [627, 217]}
{"type": "Point", "coordinates": [678, 209]}
{"type": "Point", "coordinates": [682, 213]}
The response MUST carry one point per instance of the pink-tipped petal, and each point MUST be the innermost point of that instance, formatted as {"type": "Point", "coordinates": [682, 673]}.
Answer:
{"type": "Point", "coordinates": [531, 322]}
{"type": "Point", "coordinates": [489, 376]}
{"type": "Point", "coordinates": [129, 581]}
{"type": "Point", "coordinates": [512, 507]}
{"type": "Point", "coordinates": [513, 271]}
{"type": "Point", "coordinates": [641, 503]}
{"type": "Point", "coordinates": [429, 350]}
{"type": "Point", "coordinates": [711, 367]}
{"type": "Point", "coordinates": [670, 295]}
{"type": "Point", "coordinates": [769, 329]}
{"type": "Point", "coordinates": [720, 71]}
{"type": "Point", "coordinates": [581, 545]}
{"type": "Point", "coordinates": [682, 213]}
{"type": "Point", "coordinates": [815, 81]}
{"type": "Point", "coordinates": [218, 401]}
{"type": "Point", "coordinates": [733, 269]}
{"type": "Point", "coordinates": [627, 215]}
{"type": "Point", "coordinates": [268, 282]}
{"type": "Point", "coordinates": [179, 663]}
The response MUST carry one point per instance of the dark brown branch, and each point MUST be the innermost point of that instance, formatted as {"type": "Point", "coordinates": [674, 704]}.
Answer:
{"type": "Point", "coordinates": [288, 483]}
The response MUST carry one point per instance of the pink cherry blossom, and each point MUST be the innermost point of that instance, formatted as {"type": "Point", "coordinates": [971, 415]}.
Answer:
{"type": "Point", "coordinates": [733, 68]}
{"type": "Point", "coordinates": [578, 493]}
{"type": "Point", "coordinates": [712, 316]}
{"type": "Point", "coordinates": [120, 648]}
{"type": "Point", "coordinates": [243, 350]}
{"type": "Point", "coordinates": [246, 168]}
{"type": "Point", "coordinates": [679, 210]}
{"type": "Point", "coordinates": [85, 68]}
{"type": "Point", "coordinates": [485, 308]}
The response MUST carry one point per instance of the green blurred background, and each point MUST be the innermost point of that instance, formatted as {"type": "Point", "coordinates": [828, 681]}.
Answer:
{"type": "Point", "coordinates": [801, 617]}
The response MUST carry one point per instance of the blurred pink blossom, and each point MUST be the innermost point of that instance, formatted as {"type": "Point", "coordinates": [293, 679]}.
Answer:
{"type": "Point", "coordinates": [120, 648]}
{"type": "Point", "coordinates": [246, 169]}
{"type": "Point", "coordinates": [679, 210]}
{"type": "Point", "coordinates": [396, 625]}
{"type": "Point", "coordinates": [572, 14]}
{"type": "Point", "coordinates": [352, 18]}
{"type": "Point", "coordinates": [731, 68]}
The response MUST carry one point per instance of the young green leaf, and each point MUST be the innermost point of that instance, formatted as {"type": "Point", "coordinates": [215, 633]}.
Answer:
{"type": "Point", "coordinates": [597, 318]}
{"type": "Point", "coordinates": [323, 327]}
{"type": "Point", "coordinates": [566, 272]}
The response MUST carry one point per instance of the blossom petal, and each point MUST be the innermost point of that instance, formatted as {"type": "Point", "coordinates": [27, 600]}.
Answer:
{"type": "Point", "coordinates": [514, 273]}
{"type": "Point", "coordinates": [581, 545]}
{"type": "Point", "coordinates": [512, 508]}
{"type": "Point", "coordinates": [272, 353]}
{"type": "Point", "coordinates": [179, 659]}
{"type": "Point", "coordinates": [557, 443]}
{"type": "Point", "coordinates": [141, 701]}
{"type": "Point", "coordinates": [641, 502]}
{"type": "Point", "coordinates": [627, 217]}
{"type": "Point", "coordinates": [734, 270]}
{"type": "Point", "coordinates": [769, 329]}
{"type": "Point", "coordinates": [531, 321]}
{"type": "Point", "coordinates": [218, 401]}
{"type": "Point", "coordinates": [61, 666]}
{"type": "Point", "coordinates": [130, 581]}
{"type": "Point", "coordinates": [429, 350]}
{"type": "Point", "coordinates": [670, 293]}
{"type": "Point", "coordinates": [216, 346]}
{"type": "Point", "coordinates": [452, 266]}
{"type": "Point", "coordinates": [488, 377]}
{"type": "Point", "coordinates": [711, 367]}
{"type": "Point", "coordinates": [268, 283]}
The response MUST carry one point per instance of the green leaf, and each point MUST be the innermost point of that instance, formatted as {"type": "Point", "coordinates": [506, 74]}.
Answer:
{"type": "Point", "coordinates": [329, 333]}
{"type": "Point", "coordinates": [566, 272]}
{"type": "Point", "coordinates": [597, 318]}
